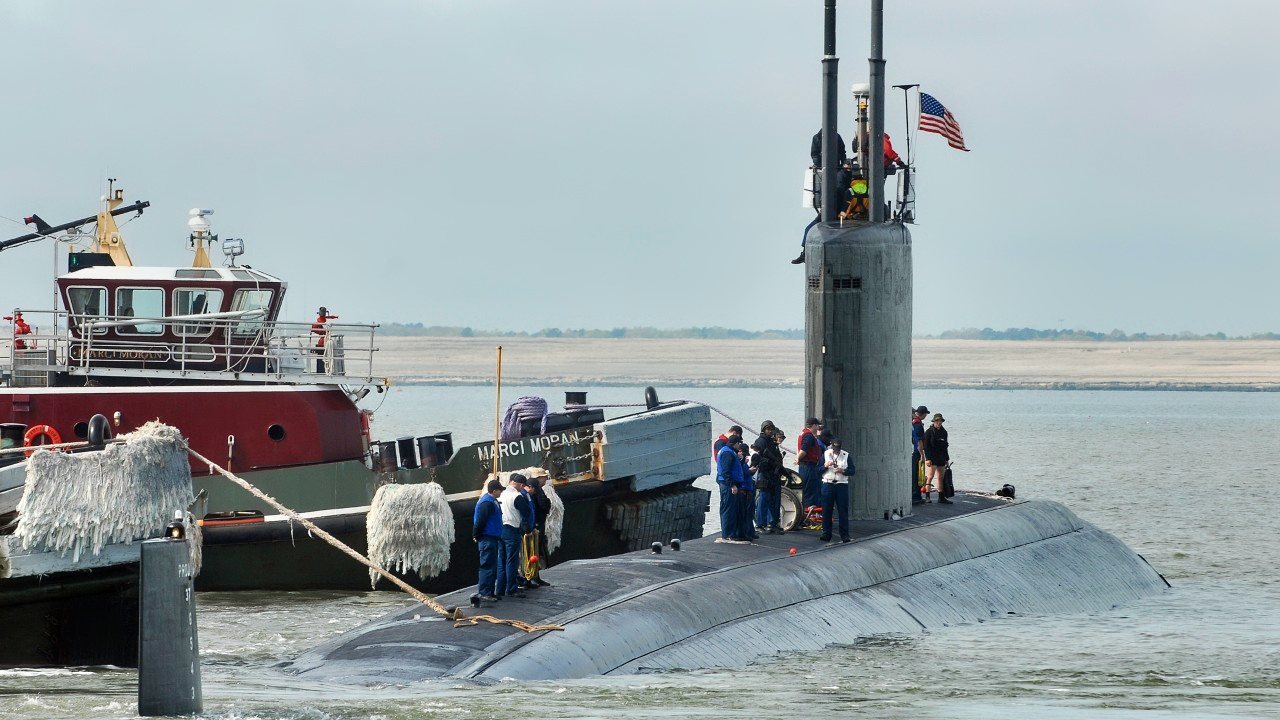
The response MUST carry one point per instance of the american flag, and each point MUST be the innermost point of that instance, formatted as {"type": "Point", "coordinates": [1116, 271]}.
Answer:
{"type": "Point", "coordinates": [936, 118]}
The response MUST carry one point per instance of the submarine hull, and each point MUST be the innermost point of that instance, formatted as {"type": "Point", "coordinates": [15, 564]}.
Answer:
{"type": "Point", "coordinates": [720, 605]}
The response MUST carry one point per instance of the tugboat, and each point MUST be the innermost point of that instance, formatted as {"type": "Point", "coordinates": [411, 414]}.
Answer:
{"type": "Point", "coordinates": [202, 348]}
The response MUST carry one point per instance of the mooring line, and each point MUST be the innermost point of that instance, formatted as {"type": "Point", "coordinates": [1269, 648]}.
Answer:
{"type": "Point", "coordinates": [455, 614]}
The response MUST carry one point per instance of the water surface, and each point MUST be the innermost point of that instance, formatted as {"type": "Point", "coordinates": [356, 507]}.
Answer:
{"type": "Point", "coordinates": [1185, 478]}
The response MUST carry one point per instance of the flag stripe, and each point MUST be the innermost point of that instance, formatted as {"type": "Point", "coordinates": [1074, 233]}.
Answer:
{"type": "Point", "coordinates": [936, 118]}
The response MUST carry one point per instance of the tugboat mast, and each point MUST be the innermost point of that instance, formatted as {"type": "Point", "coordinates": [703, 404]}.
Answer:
{"type": "Point", "coordinates": [107, 229]}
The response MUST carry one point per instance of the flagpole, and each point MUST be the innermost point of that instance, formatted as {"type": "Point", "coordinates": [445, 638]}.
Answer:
{"type": "Point", "coordinates": [497, 416]}
{"type": "Point", "coordinates": [906, 116]}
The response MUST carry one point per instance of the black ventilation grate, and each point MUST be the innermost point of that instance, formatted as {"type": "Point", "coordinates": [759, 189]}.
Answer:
{"type": "Point", "coordinates": [815, 281]}
{"type": "Point", "coordinates": [844, 282]}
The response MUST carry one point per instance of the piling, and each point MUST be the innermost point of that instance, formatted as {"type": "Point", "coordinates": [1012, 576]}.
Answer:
{"type": "Point", "coordinates": [168, 649]}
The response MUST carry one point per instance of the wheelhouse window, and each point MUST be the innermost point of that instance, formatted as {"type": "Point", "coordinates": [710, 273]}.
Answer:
{"type": "Point", "coordinates": [251, 300]}
{"type": "Point", "coordinates": [140, 303]}
{"type": "Point", "coordinates": [196, 301]}
{"type": "Point", "coordinates": [196, 274]}
{"type": "Point", "coordinates": [87, 304]}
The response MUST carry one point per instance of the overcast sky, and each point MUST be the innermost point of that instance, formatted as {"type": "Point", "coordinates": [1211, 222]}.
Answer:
{"type": "Point", "coordinates": [513, 164]}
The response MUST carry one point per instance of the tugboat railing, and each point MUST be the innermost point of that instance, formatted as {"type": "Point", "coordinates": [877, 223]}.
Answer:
{"type": "Point", "coordinates": [236, 346]}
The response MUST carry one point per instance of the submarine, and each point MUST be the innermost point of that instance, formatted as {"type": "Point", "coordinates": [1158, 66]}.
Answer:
{"type": "Point", "coordinates": [713, 605]}
{"type": "Point", "coordinates": [701, 604]}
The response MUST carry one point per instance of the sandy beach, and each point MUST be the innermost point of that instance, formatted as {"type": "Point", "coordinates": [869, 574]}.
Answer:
{"type": "Point", "coordinates": [1208, 365]}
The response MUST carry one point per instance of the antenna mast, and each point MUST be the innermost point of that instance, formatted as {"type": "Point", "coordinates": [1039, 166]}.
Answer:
{"type": "Point", "coordinates": [875, 153]}
{"type": "Point", "coordinates": [830, 106]}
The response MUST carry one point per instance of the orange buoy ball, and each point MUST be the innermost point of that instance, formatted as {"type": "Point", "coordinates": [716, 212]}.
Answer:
{"type": "Point", "coordinates": [792, 551]}
{"type": "Point", "coordinates": [533, 558]}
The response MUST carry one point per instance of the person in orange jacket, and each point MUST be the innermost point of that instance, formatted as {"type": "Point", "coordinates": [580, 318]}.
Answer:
{"type": "Point", "coordinates": [20, 328]}
{"type": "Point", "coordinates": [319, 327]}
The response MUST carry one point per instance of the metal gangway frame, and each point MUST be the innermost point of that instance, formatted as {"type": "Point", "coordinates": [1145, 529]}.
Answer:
{"type": "Point", "coordinates": [213, 347]}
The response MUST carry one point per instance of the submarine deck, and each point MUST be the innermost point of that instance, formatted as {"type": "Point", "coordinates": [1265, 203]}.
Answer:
{"type": "Point", "coordinates": [689, 608]}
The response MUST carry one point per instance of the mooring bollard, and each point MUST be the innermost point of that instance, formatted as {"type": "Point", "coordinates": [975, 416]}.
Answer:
{"type": "Point", "coordinates": [168, 650]}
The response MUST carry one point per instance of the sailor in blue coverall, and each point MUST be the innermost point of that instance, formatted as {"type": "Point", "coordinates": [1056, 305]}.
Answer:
{"type": "Point", "coordinates": [727, 474]}
{"type": "Point", "coordinates": [486, 529]}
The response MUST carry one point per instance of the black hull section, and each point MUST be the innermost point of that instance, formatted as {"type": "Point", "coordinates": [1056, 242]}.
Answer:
{"type": "Point", "coordinates": [86, 617]}
{"type": "Point", "coordinates": [724, 605]}
{"type": "Point", "coordinates": [268, 556]}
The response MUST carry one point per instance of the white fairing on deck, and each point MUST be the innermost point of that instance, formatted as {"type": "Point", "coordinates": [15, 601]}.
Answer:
{"type": "Point", "coordinates": [658, 448]}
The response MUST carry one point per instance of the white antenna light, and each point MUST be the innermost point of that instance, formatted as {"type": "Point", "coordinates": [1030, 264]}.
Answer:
{"type": "Point", "coordinates": [198, 225]}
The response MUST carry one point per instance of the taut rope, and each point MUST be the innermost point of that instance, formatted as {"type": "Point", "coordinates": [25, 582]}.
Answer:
{"type": "Point", "coordinates": [454, 614]}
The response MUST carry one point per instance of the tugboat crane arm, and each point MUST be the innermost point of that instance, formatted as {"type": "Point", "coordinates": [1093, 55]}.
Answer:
{"type": "Point", "coordinates": [137, 207]}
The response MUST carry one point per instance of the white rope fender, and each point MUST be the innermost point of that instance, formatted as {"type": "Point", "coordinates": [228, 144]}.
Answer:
{"type": "Point", "coordinates": [410, 527]}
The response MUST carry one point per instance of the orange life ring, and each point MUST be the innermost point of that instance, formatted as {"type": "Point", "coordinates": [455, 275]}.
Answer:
{"type": "Point", "coordinates": [35, 431]}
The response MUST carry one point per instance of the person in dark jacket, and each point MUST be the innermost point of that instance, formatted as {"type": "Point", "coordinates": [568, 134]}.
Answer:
{"type": "Point", "coordinates": [844, 176]}
{"type": "Point", "coordinates": [746, 495]}
{"type": "Point", "coordinates": [767, 462]}
{"type": "Point", "coordinates": [531, 526]}
{"type": "Point", "coordinates": [486, 530]}
{"type": "Point", "coordinates": [936, 455]}
{"type": "Point", "coordinates": [541, 508]}
{"type": "Point", "coordinates": [815, 150]}
{"type": "Point", "coordinates": [727, 479]}
{"type": "Point", "coordinates": [917, 441]}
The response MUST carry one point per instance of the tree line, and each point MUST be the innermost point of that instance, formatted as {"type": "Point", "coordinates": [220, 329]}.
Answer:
{"type": "Point", "coordinates": [697, 333]}
{"type": "Point", "coordinates": [723, 333]}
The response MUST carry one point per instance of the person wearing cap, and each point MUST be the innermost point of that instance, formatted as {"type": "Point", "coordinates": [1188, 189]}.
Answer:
{"type": "Point", "coordinates": [936, 455]}
{"type": "Point", "coordinates": [530, 529]}
{"type": "Point", "coordinates": [917, 443]}
{"type": "Point", "coordinates": [810, 462]}
{"type": "Point", "coordinates": [486, 530]}
{"type": "Point", "coordinates": [515, 523]}
{"type": "Point", "coordinates": [724, 439]}
{"type": "Point", "coordinates": [541, 505]}
{"type": "Point", "coordinates": [837, 469]}
{"type": "Point", "coordinates": [767, 463]}
{"type": "Point", "coordinates": [319, 327]}
{"type": "Point", "coordinates": [728, 479]}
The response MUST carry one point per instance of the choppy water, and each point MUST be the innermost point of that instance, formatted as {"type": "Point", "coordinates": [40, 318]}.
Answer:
{"type": "Point", "coordinates": [1187, 479]}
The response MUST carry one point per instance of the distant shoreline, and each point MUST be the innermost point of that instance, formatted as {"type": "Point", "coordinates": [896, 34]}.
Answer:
{"type": "Point", "coordinates": [1149, 365]}
{"type": "Point", "coordinates": [595, 382]}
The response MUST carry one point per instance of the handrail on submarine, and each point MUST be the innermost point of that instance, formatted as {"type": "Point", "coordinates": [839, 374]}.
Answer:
{"type": "Point", "coordinates": [50, 231]}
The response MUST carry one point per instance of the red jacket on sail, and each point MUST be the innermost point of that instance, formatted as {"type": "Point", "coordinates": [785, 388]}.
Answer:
{"type": "Point", "coordinates": [890, 157]}
{"type": "Point", "coordinates": [814, 453]}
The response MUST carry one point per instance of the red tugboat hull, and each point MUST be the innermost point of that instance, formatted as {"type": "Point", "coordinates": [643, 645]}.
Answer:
{"type": "Point", "coordinates": [248, 427]}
